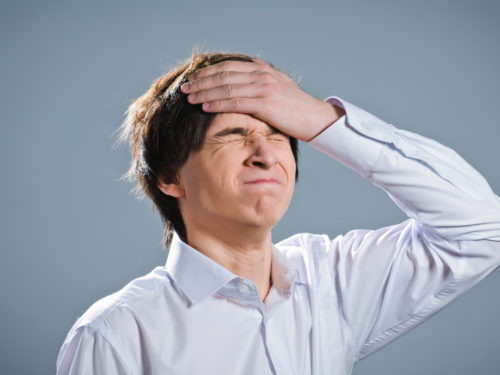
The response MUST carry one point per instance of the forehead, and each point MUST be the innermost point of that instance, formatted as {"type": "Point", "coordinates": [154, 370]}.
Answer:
{"type": "Point", "coordinates": [230, 120]}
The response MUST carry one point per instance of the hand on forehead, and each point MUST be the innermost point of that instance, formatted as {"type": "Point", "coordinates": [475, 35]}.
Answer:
{"type": "Point", "coordinates": [227, 66]}
{"type": "Point", "coordinates": [258, 89]}
{"type": "Point", "coordinates": [227, 80]}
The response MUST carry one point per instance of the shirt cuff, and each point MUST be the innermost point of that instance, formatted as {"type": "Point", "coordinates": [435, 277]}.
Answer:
{"type": "Point", "coordinates": [356, 139]}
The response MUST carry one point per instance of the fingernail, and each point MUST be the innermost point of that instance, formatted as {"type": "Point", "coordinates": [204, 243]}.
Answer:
{"type": "Point", "coordinates": [192, 98]}
{"type": "Point", "coordinates": [185, 87]}
{"type": "Point", "coordinates": [206, 106]}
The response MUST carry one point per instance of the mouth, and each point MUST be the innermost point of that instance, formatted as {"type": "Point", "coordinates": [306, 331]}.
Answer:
{"type": "Point", "coordinates": [260, 181]}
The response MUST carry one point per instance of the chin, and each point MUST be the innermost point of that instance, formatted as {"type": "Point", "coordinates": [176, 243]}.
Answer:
{"type": "Point", "coordinates": [269, 215]}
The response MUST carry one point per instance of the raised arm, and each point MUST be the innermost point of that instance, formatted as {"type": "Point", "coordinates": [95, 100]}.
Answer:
{"type": "Point", "coordinates": [388, 280]}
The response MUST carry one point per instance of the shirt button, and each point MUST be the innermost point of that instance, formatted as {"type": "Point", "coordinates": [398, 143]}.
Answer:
{"type": "Point", "coordinates": [244, 288]}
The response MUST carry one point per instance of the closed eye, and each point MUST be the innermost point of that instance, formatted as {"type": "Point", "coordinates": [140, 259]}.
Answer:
{"type": "Point", "coordinates": [240, 133]}
{"type": "Point", "coordinates": [232, 131]}
{"type": "Point", "coordinates": [277, 135]}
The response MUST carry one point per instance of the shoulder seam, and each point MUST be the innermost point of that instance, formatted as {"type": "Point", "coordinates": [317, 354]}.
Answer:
{"type": "Point", "coordinates": [111, 345]}
{"type": "Point", "coordinates": [101, 318]}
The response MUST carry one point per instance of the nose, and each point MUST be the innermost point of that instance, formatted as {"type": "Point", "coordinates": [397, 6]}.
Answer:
{"type": "Point", "coordinates": [262, 154]}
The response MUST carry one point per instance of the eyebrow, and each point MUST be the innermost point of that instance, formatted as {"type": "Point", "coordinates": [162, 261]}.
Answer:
{"type": "Point", "coordinates": [230, 131]}
{"type": "Point", "coordinates": [244, 131]}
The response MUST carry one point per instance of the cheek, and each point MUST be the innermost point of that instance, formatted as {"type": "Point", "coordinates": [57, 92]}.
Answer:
{"type": "Point", "coordinates": [287, 198]}
{"type": "Point", "coordinates": [290, 168]}
{"type": "Point", "coordinates": [211, 186]}
{"type": "Point", "coordinates": [289, 165]}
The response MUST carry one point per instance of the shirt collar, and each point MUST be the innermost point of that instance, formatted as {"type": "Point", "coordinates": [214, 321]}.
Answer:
{"type": "Point", "coordinates": [198, 276]}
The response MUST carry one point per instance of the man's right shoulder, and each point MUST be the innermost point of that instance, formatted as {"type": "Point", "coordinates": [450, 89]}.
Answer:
{"type": "Point", "coordinates": [132, 298]}
{"type": "Point", "coordinates": [116, 317]}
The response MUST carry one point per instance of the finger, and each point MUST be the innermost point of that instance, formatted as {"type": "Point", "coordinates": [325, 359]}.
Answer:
{"type": "Point", "coordinates": [228, 65]}
{"type": "Point", "coordinates": [236, 105]}
{"type": "Point", "coordinates": [215, 80]}
{"type": "Point", "coordinates": [224, 92]}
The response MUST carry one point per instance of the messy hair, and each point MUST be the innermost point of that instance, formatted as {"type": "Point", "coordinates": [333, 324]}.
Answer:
{"type": "Point", "coordinates": [162, 129]}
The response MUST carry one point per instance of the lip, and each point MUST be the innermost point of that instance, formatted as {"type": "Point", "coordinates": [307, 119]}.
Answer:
{"type": "Point", "coordinates": [259, 181]}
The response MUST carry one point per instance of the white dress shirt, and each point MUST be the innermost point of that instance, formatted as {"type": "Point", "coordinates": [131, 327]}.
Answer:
{"type": "Point", "coordinates": [332, 301]}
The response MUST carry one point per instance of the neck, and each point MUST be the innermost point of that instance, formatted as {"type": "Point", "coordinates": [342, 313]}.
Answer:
{"type": "Point", "coordinates": [246, 252]}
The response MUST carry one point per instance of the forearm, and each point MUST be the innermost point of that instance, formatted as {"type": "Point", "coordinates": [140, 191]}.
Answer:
{"type": "Point", "coordinates": [427, 180]}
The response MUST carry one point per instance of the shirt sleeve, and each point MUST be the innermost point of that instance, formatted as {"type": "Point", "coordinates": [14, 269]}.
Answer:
{"type": "Point", "coordinates": [390, 279]}
{"type": "Point", "coordinates": [88, 352]}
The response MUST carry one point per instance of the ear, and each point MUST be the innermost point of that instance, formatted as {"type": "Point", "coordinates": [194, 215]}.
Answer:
{"type": "Point", "coordinates": [174, 189]}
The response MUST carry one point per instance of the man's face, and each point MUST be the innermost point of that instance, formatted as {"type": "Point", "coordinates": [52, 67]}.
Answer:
{"type": "Point", "coordinates": [244, 174]}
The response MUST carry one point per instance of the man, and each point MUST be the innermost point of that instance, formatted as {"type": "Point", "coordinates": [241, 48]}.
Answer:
{"type": "Point", "coordinates": [214, 145]}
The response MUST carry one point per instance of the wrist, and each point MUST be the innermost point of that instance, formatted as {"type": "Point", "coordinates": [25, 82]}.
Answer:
{"type": "Point", "coordinates": [328, 114]}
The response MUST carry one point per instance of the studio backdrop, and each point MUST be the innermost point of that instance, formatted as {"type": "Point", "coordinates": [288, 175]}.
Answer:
{"type": "Point", "coordinates": [72, 232]}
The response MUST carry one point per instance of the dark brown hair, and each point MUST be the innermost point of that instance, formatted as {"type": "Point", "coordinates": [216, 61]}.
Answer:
{"type": "Point", "coordinates": [162, 128]}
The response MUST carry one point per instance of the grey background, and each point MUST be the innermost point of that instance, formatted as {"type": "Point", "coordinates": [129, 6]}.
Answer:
{"type": "Point", "coordinates": [71, 232]}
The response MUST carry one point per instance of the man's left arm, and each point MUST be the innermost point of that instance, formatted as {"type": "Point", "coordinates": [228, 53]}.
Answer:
{"type": "Point", "coordinates": [390, 279]}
